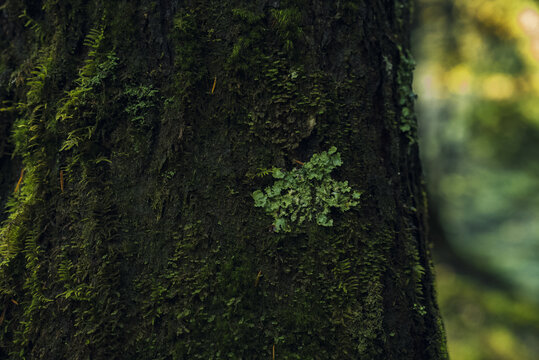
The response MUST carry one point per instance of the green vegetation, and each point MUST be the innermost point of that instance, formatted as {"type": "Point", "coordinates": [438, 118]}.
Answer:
{"type": "Point", "coordinates": [407, 97]}
{"type": "Point", "coordinates": [484, 323]}
{"type": "Point", "coordinates": [307, 193]}
{"type": "Point", "coordinates": [288, 25]}
{"type": "Point", "coordinates": [141, 100]}
{"type": "Point", "coordinates": [74, 107]}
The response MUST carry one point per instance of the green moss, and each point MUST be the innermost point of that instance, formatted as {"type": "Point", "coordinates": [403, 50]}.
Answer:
{"type": "Point", "coordinates": [141, 100]}
{"type": "Point", "coordinates": [287, 22]}
{"type": "Point", "coordinates": [289, 105]}
{"type": "Point", "coordinates": [408, 121]}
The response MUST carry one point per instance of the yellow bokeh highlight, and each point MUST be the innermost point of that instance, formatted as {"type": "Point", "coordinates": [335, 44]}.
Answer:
{"type": "Point", "coordinates": [529, 22]}
{"type": "Point", "coordinates": [492, 12]}
{"type": "Point", "coordinates": [510, 19]}
{"type": "Point", "coordinates": [459, 79]}
{"type": "Point", "coordinates": [472, 44]}
{"type": "Point", "coordinates": [498, 87]}
{"type": "Point", "coordinates": [503, 344]}
{"type": "Point", "coordinates": [534, 80]}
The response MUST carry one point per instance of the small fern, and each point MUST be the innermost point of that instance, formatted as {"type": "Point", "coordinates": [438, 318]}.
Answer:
{"type": "Point", "coordinates": [64, 272]}
{"type": "Point", "coordinates": [264, 172]}
{"type": "Point", "coordinates": [33, 25]}
{"type": "Point", "coordinates": [93, 40]}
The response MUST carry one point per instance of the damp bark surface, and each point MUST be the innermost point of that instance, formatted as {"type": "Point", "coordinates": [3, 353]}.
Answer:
{"type": "Point", "coordinates": [144, 127]}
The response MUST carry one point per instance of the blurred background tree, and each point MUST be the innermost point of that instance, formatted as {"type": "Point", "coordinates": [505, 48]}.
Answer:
{"type": "Point", "coordinates": [478, 82]}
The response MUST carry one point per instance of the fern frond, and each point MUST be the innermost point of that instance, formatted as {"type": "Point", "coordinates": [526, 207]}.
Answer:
{"type": "Point", "coordinates": [264, 172]}
{"type": "Point", "coordinates": [94, 38]}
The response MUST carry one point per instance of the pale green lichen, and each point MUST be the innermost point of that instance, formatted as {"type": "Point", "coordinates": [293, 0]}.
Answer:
{"type": "Point", "coordinates": [307, 193]}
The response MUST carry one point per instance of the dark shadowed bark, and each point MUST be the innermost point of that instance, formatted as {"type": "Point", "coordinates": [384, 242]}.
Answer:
{"type": "Point", "coordinates": [144, 127]}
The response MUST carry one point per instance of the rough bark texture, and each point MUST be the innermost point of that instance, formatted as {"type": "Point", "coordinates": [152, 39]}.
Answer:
{"type": "Point", "coordinates": [142, 126]}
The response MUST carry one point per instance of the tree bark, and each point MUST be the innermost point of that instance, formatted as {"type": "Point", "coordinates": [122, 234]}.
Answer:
{"type": "Point", "coordinates": [144, 127]}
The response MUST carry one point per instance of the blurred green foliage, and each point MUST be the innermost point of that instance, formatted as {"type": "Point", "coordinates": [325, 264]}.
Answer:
{"type": "Point", "coordinates": [483, 323]}
{"type": "Point", "coordinates": [478, 80]}
{"type": "Point", "coordinates": [478, 83]}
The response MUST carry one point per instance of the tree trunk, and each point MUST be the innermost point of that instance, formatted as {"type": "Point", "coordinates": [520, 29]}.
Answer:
{"type": "Point", "coordinates": [144, 129]}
